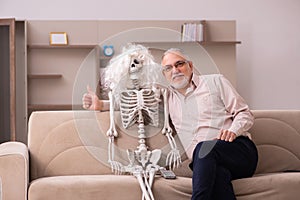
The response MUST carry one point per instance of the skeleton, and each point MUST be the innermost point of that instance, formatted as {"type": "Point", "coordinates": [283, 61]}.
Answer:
{"type": "Point", "coordinates": [139, 104]}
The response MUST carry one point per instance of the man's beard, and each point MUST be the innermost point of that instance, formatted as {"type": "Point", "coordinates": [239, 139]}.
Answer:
{"type": "Point", "coordinates": [180, 84]}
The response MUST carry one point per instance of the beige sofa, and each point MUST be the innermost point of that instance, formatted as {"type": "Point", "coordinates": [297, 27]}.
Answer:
{"type": "Point", "coordinates": [68, 160]}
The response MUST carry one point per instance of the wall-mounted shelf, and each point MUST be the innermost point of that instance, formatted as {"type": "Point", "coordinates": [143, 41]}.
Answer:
{"type": "Point", "coordinates": [53, 106]}
{"type": "Point", "coordinates": [44, 76]}
{"type": "Point", "coordinates": [219, 42]}
{"type": "Point", "coordinates": [50, 106]}
{"type": "Point", "coordinates": [204, 43]}
{"type": "Point", "coordinates": [73, 46]}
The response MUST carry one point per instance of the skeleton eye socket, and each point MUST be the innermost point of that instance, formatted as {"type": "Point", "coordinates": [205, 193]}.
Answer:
{"type": "Point", "coordinates": [136, 61]}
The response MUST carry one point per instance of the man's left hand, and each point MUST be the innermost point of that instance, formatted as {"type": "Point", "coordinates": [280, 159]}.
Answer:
{"type": "Point", "coordinates": [227, 135]}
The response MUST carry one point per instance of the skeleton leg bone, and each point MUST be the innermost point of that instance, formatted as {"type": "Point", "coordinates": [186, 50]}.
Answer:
{"type": "Point", "coordinates": [148, 186]}
{"type": "Point", "coordinates": [151, 175]}
{"type": "Point", "coordinates": [139, 177]}
{"type": "Point", "coordinates": [152, 168]}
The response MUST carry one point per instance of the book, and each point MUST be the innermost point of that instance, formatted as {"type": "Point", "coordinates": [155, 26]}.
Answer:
{"type": "Point", "coordinates": [192, 32]}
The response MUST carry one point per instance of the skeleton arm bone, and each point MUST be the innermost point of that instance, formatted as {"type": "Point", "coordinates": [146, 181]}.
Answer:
{"type": "Point", "coordinates": [112, 133]}
{"type": "Point", "coordinates": [166, 128]}
{"type": "Point", "coordinates": [173, 157]}
{"type": "Point", "coordinates": [112, 129]}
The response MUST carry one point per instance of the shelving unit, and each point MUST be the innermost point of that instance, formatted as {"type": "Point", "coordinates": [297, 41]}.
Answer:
{"type": "Point", "coordinates": [53, 70]}
{"type": "Point", "coordinates": [51, 74]}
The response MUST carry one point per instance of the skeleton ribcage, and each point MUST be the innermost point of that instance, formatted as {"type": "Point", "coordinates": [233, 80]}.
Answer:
{"type": "Point", "coordinates": [142, 101]}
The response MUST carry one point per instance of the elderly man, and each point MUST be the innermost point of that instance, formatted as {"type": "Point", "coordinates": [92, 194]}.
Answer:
{"type": "Point", "coordinates": [211, 120]}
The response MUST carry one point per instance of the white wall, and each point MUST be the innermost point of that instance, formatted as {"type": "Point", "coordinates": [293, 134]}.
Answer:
{"type": "Point", "coordinates": [268, 60]}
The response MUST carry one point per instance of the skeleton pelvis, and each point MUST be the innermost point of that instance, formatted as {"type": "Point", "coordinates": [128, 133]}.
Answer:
{"type": "Point", "coordinates": [145, 158]}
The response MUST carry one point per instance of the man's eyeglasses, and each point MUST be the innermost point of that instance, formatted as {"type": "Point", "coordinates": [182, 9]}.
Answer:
{"type": "Point", "coordinates": [178, 64]}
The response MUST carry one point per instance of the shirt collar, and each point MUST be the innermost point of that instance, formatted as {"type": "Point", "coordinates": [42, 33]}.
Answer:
{"type": "Point", "coordinates": [196, 80]}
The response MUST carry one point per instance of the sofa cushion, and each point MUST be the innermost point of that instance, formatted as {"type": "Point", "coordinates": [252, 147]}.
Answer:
{"type": "Point", "coordinates": [105, 187]}
{"type": "Point", "coordinates": [270, 186]}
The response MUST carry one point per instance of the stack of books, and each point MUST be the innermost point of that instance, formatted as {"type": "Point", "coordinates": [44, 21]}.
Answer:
{"type": "Point", "coordinates": [192, 32]}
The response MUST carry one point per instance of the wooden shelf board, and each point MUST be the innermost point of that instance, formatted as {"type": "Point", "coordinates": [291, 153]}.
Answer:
{"type": "Point", "coordinates": [44, 76]}
{"type": "Point", "coordinates": [46, 46]}
{"type": "Point", "coordinates": [53, 106]}
{"type": "Point", "coordinates": [219, 42]}
{"type": "Point", "coordinates": [87, 46]}
{"type": "Point", "coordinates": [200, 42]}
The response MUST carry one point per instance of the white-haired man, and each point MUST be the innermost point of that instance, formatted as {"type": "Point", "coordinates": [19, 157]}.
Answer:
{"type": "Point", "coordinates": [211, 120]}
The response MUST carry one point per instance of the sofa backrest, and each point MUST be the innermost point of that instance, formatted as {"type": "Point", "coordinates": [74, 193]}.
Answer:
{"type": "Point", "coordinates": [276, 134]}
{"type": "Point", "coordinates": [75, 143]}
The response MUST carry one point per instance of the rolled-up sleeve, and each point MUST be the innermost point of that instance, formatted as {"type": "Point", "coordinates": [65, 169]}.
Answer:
{"type": "Point", "coordinates": [236, 106]}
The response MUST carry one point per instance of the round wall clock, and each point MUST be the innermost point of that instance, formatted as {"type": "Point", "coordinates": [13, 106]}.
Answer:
{"type": "Point", "coordinates": [108, 50]}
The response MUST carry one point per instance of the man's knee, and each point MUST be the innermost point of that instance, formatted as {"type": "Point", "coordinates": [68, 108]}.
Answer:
{"type": "Point", "coordinates": [206, 148]}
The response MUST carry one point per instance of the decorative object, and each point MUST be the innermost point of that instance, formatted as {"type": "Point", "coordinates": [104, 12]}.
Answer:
{"type": "Point", "coordinates": [132, 89]}
{"type": "Point", "coordinates": [58, 38]}
{"type": "Point", "coordinates": [108, 50]}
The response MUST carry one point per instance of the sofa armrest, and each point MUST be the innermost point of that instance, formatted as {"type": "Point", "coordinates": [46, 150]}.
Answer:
{"type": "Point", "coordinates": [14, 170]}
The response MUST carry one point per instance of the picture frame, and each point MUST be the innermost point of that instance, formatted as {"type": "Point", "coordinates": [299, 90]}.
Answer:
{"type": "Point", "coordinates": [58, 38]}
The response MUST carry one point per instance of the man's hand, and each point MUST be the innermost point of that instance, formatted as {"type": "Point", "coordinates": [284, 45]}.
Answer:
{"type": "Point", "coordinates": [226, 135]}
{"type": "Point", "coordinates": [90, 100]}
